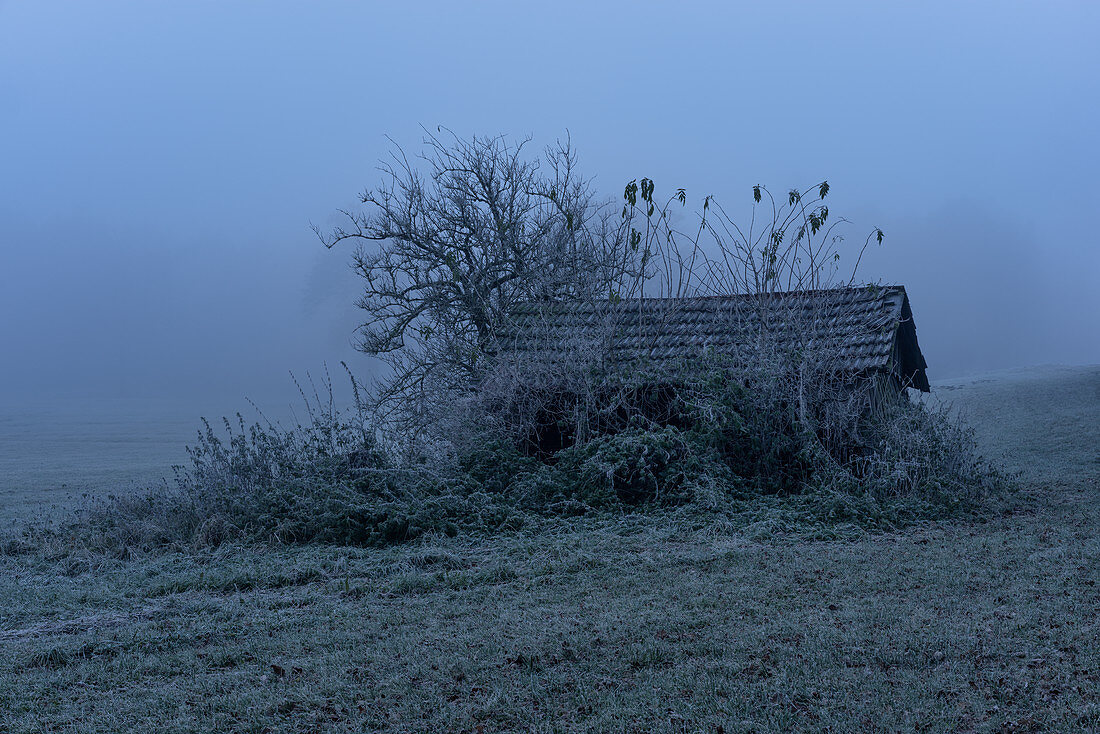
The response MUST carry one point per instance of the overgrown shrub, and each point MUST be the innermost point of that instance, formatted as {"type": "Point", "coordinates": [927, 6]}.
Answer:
{"type": "Point", "coordinates": [660, 467]}
{"type": "Point", "coordinates": [723, 434]}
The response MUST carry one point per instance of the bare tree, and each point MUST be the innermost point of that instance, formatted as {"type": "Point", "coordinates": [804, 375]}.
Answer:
{"type": "Point", "coordinates": [455, 238]}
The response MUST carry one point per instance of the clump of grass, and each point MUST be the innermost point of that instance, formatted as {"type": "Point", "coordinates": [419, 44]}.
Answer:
{"type": "Point", "coordinates": [61, 656]}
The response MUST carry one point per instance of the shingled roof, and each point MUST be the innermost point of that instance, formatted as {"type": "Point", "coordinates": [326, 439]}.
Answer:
{"type": "Point", "coordinates": [867, 329]}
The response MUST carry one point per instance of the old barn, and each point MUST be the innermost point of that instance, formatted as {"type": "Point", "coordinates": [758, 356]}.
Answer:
{"type": "Point", "coordinates": [862, 340]}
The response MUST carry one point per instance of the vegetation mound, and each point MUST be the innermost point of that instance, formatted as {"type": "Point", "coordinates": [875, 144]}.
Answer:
{"type": "Point", "coordinates": [718, 452]}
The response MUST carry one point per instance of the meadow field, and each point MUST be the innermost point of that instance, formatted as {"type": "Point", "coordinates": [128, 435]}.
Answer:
{"type": "Point", "coordinates": [55, 454]}
{"type": "Point", "coordinates": [637, 623]}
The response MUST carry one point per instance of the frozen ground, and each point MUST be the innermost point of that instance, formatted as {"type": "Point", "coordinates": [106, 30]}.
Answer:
{"type": "Point", "coordinates": [1042, 421]}
{"type": "Point", "coordinates": [639, 626]}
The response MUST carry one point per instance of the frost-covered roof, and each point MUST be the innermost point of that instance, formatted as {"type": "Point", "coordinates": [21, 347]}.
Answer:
{"type": "Point", "coordinates": [866, 329]}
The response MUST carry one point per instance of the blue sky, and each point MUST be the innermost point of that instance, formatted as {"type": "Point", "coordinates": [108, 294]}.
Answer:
{"type": "Point", "coordinates": [161, 163]}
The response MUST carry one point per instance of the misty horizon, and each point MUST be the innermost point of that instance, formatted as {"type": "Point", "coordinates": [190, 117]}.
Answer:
{"type": "Point", "coordinates": [162, 166]}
